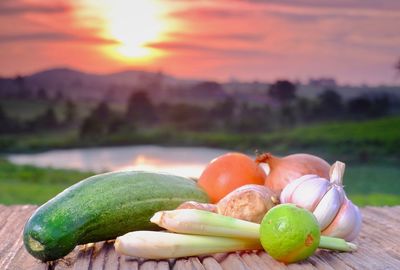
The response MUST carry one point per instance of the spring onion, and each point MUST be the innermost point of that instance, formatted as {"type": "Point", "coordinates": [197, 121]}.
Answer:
{"type": "Point", "coordinates": [193, 221]}
{"type": "Point", "coordinates": [163, 245]}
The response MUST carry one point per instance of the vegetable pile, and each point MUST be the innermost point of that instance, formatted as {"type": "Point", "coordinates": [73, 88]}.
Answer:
{"type": "Point", "coordinates": [299, 206]}
{"type": "Point", "coordinates": [287, 232]}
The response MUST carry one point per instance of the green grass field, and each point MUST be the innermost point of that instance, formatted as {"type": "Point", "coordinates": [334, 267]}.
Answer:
{"type": "Point", "coordinates": [32, 185]}
{"type": "Point", "coordinates": [366, 185]}
{"type": "Point", "coordinates": [376, 137]}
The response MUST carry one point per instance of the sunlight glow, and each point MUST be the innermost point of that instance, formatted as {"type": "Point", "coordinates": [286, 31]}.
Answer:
{"type": "Point", "coordinates": [145, 163]}
{"type": "Point", "coordinates": [133, 24]}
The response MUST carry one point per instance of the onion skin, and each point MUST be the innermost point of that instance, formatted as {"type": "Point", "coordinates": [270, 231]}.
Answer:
{"type": "Point", "coordinates": [285, 170]}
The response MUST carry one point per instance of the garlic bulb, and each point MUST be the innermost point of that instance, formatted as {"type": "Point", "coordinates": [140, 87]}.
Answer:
{"type": "Point", "coordinates": [326, 199]}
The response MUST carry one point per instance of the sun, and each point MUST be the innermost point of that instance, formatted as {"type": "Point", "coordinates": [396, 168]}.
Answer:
{"type": "Point", "coordinates": [132, 24]}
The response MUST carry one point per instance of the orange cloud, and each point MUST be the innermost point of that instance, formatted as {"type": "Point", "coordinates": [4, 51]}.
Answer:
{"type": "Point", "coordinates": [18, 7]}
{"type": "Point", "coordinates": [54, 37]}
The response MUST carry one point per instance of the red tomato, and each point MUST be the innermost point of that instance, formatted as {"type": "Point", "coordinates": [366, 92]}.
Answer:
{"type": "Point", "coordinates": [228, 172]}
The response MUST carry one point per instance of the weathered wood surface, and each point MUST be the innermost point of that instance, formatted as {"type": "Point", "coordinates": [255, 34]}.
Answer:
{"type": "Point", "coordinates": [379, 248]}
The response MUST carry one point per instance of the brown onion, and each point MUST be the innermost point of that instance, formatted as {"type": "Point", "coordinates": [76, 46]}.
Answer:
{"type": "Point", "coordinates": [285, 170]}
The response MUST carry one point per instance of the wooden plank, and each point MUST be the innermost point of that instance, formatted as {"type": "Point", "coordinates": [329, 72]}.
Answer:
{"type": "Point", "coordinates": [253, 261]}
{"type": "Point", "coordinates": [219, 257]}
{"type": "Point", "coordinates": [234, 262]}
{"type": "Point", "coordinates": [191, 263]}
{"type": "Point", "coordinates": [99, 258]}
{"type": "Point", "coordinates": [389, 213]}
{"type": "Point", "coordinates": [12, 252]}
{"type": "Point", "coordinates": [180, 265]}
{"type": "Point", "coordinates": [163, 265]}
{"type": "Point", "coordinates": [254, 258]}
{"type": "Point", "coordinates": [7, 231]}
{"type": "Point", "coordinates": [268, 260]}
{"type": "Point", "coordinates": [301, 265]}
{"type": "Point", "coordinates": [385, 220]}
{"type": "Point", "coordinates": [82, 258]}
{"type": "Point", "coordinates": [386, 239]}
{"type": "Point", "coordinates": [211, 264]}
{"type": "Point", "coordinates": [377, 230]}
{"type": "Point", "coordinates": [374, 245]}
{"type": "Point", "coordinates": [148, 265]}
{"type": "Point", "coordinates": [112, 259]}
{"type": "Point", "coordinates": [319, 264]}
{"type": "Point", "coordinates": [155, 265]}
{"type": "Point", "coordinates": [323, 256]}
{"type": "Point", "coordinates": [126, 263]}
{"type": "Point", "coordinates": [196, 264]}
{"type": "Point", "coordinates": [5, 212]}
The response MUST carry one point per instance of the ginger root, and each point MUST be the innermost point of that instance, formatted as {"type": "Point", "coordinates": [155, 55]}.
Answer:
{"type": "Point", "coordinates": [249, 202]}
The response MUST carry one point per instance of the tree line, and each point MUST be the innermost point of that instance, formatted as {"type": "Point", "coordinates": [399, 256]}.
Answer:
{"type": "Point", "coordinates": [285, 110]}
{"type": "Point", "coordinates": [231, 115]}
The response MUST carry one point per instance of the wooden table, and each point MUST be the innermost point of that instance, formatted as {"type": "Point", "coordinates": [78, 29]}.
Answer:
{"type": "Point", "coordinates": [379, 248]}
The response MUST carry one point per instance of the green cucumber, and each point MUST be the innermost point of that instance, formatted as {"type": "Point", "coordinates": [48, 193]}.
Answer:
{"type": "Point", "coordinates": [103, 207]}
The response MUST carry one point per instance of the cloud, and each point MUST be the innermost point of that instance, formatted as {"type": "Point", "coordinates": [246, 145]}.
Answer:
{"type": "Point", "coordinates": [246, 37]}
{"type": "Point", "coordinates": [219, 13]}
{"type": "Point", "coordinates": [182, 46]}
{"type": "Point", "coordinates": [303, 11]}
{"type": "Point", "coordinates": [53, 36]}
{"type": "Point", "coordinates": [331, 8]}
{"type": "Point", "coordinates": [347, 6]}
{"type": "Point", "coordinates": [340, 4]}
{"type": "Point", "coordinates": [11, 8]}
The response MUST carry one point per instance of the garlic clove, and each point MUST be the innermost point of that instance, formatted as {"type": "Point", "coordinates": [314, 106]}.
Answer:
{"type": "Point", "coordinates": [287, 192]}
{"type": "Point", "coordinates": [310, 192]}
{"type": "Point", "coordinates": [336, 173]}
{"type": "Point", "coordinates": [329, 206]}
{"type": "Point", "coordinates": [344, 223]}
{"type": "Point", "coordinates": [357, 227]}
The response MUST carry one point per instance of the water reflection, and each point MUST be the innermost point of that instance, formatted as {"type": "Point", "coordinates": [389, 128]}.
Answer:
{"type": "Point", "coordinates": [186, 161]}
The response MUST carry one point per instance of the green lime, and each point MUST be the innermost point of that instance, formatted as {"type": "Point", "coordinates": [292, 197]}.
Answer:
{"type": "Point", "coordinates": [289, 233]}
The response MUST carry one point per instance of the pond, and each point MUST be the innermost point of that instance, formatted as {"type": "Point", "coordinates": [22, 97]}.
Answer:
{"type": "Point", "coordinates": [186, 161]}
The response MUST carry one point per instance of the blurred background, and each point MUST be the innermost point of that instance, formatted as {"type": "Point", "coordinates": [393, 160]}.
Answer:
{"type": "Point", "coordinates": [90, 86]}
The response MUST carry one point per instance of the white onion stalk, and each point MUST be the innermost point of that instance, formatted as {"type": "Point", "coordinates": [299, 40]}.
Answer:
{"type": "Point", "coordinates": [165, 245]}
{"type": "Point", "coordinates": [193, 221]}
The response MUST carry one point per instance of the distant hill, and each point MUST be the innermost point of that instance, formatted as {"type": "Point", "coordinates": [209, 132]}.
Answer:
{"type": "Point", "coordinates": [75, 84]}
{"type": "Point", "coordinates": [116, 87]}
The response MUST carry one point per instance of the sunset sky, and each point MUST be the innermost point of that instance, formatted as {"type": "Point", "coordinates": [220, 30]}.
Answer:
{"type": "Point", "coordinates": [354, 41]}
